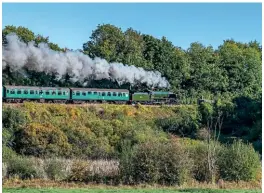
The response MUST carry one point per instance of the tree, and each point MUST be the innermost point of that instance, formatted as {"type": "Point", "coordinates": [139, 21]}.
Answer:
{"type": "Point", "coordinates": [242, 68]}
{"type": "Point", "coordinates": [105, 43]}
{"type": "Point", "coordinates": [205, 74]}
{"type": "Point", "coordinates": [133, 47]}
{"type": "Point", "coordinates": [25, 34]}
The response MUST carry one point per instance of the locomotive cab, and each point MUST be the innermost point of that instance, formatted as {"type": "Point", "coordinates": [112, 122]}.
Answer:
{"type": "Point", "coordinates": [172, 96]}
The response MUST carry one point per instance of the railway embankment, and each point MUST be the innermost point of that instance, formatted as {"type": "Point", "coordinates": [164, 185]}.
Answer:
{"type": "Point", "coordinates": [118, 144]}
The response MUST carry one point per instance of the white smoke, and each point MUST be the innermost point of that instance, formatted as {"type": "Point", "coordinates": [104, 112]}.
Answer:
{"type": "Point", "coordinates": [17, 55]}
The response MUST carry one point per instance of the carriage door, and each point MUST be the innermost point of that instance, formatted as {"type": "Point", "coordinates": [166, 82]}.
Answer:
{"type": "Point", "coordinates": [41, 96]}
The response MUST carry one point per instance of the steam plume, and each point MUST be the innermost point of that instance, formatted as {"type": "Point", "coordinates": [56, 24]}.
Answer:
{"type": "Point", "coordinates": [17, 55]}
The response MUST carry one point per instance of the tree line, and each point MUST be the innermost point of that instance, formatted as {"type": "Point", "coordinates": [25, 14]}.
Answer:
{"type": "Point", "coordinates": [231, 70]}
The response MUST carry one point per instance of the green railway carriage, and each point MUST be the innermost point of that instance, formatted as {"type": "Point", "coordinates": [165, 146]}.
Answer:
{"type": "Point", "coordinates": [19, 93]}
{"type": "Point", "coordinates": [80, 95]}
{"type": "Point", "coordinates": [95, 94]}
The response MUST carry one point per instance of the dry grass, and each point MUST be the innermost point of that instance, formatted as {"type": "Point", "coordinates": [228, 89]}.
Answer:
{"type": "Point", "coordinates": [94, 167]}
{"type": "Point", "coordinates": [41, 183]}
{"type": "Point", "coordinates": [104, 167]}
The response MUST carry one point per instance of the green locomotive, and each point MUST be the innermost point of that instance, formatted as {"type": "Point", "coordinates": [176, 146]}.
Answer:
{"type": "Point", "coordinates": [18, 94]}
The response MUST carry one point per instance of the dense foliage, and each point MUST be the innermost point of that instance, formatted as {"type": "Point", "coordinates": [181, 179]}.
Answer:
{"type": "Point", "coordinates": [233, 69]}
{"type": "Point", "coordinates": [94, 132]}
{"type": "Point", "coordinates": [133, 137]}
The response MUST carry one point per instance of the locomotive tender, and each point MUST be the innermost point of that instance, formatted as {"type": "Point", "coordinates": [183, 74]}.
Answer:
{"type": "Point", "coordinates": [18, 94]}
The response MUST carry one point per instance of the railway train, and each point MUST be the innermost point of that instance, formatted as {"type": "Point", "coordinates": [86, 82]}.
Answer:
{"type": "Point", "coordinates": [19, 94]}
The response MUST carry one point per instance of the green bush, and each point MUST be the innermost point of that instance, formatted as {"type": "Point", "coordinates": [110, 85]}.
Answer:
{"type": "Point", "coordinates": [12, 120]}
{"type": "Point", "coordinates": [22, 167]}
{"type": "Point", "coordinates": [145, 163]}
{"type": "Point", "coordinates": [175, 164]}
{"type": "Point", "coordinates": [55, 169]}
{"type": "Point", "coordinates": [155, 162]}
{"type": "Point", "coordinates": [7, 153]}
{"type": "Point", "coordinates": [126, 167]}
{"type": "Point", "coordinates": [12, 117]}
{"type": "Point", "coordinates": [185, 122]}
{"type": "Point", "coordinates": [199, 154]}
{"type": "Point", "coordinates": [206, 110]}
{"type": "Point", "coordinates": [239, 161]}
{"type": "Point", "coordinates": [182, 126]}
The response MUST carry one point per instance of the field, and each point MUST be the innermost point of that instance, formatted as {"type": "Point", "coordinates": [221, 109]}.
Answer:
{"type": "Point", "coordinates": [27, 190]}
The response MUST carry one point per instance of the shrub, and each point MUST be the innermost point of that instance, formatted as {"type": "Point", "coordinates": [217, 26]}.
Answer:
{"type": "Point", "coordinates": [7, 153]}
{"type": "Point", "coordinates": [199, 154]}
{"type": "Point", "coordinates": [156, 162]}
{"type": "Point", "coordinates": [175, 164]}
{"type": "Point", "coordinates": [183, 126]}
{"type": "Point", "coordinates": [184, 123]}
{"type": "Point", "coordinates": [22, 167]}
{"type": "Point", "coordinates": [206, 110]}
{"type": "Point", "coordinates": [126, 166]}
{"type": "Point", "coordinates": [38, 140]}
{"type": "Point", "coordinates": [145, 163]}
{"type": "Point", "coordinates": [12, 120]}
{"type": "Point", "coordinates": [239, 161]}
{"type": "Point", "coordinates": [79, 170]}
{"type": "Point", "coordinates": [81, 140]}
{"type": "Point", "coordinates": [55, 169]}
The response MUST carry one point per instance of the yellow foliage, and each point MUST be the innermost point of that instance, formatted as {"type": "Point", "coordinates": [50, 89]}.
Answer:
{"type": "Point", "coordinates": [43, 137]}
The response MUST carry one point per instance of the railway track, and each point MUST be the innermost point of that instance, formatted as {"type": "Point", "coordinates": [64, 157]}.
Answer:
{"type": "Point", "coordinates": [94, 104]}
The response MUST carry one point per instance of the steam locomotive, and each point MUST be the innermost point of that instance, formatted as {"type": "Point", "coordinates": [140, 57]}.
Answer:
{"type": "Point", "coordinates": [19, 94]}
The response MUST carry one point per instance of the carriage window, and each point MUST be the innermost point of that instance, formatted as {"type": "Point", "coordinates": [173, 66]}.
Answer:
{"type": "Point", "coordinates": [119, 94]}
{"type": "Point", "coordinates": [95, 92]}
{"type": "Point", "coordinates": [103, 93]}
{"type": "Point", "coordinates": [84, 93]}
{"type": "Point", "coordinates": [78, 93]}
{"type": "Point", "coordinates": [47, 92]}
{"type": "Point", "coordinates": [99, 93]}
{"type": "Point", "coordinates": [31, 91]}
{"type": "Point", "coordinates": [7, 91]}
{"type": "Point", "coordinates": [114, 93]}
{"type": "Point", "coordinates": [41, 92]}
{"type": "Point", "coordinates": [53, 93]}
{"type": "Point", "coordinates": [109, 94]}
{"type": "Point", "coordinates": [59, 92]}
{"type": "Point", "coordinates": [18, 91]}
{"type": "Point", "coordinates": [124, 94]}
{"type": "Point", "coordinates": [36, 92]}
{"type": "Point", "coordinates": [89, 92]}
{"type": "Point", "coordinates": [63, 93]}
{"type": "Point", "coordinates": [12, 92]}
{"type": "Point", "coordinates": [25, 92]}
